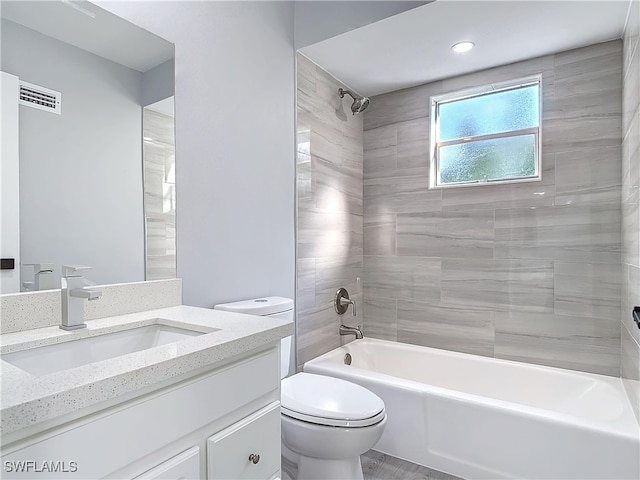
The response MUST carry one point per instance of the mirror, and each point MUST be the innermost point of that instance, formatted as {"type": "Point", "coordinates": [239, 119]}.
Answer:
{"type": "Point", "coordinates": [84, 195]}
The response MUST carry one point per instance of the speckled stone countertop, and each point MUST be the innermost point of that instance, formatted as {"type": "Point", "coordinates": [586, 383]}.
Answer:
{"type": "Point", "coordinates": [28, 399]}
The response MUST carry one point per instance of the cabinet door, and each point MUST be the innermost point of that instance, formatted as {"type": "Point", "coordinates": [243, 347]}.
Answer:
{"type": "Point", "coordinates": [248, 449]}
{"type": "Point", "coordinates": [185, 466]}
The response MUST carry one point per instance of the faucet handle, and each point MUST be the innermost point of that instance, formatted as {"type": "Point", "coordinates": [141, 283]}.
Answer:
{"type": "Point", "coordinates": [341, 302]}
{"type": "Point", "coordinates": [41, 267]}
{"type": "Point", "coordinates": [73, 270]}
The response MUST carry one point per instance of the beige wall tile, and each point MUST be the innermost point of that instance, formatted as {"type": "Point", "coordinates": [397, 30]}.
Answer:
{"type": "Point", "coordinates": [512, 285]}
{"type": "Point", "coordinates": [573, 341]}
{"type": "Point", "coordinates": [449, 327]}
{"type": "Point", "coordinates": [380, 318]}
{"type": "Point", "coordinates": [330, 208]}
{"type": "Point", "coordinates": [472, 269]}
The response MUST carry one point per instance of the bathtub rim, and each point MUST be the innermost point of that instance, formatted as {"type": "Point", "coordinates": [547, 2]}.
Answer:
{"type": "Point", "coordinates": [625, 426]}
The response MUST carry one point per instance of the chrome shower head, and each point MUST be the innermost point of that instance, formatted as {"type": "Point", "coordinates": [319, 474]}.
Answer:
{"type": "Point", "coordinates": [359, 102]}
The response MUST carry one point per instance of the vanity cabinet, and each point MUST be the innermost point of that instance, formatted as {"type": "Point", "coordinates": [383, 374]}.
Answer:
{"type": "Point", "coordinates": [246, 449]}
{"type": "Point", "coordinates": [183, 466]}
{"type": "Point", "coordinates": [201, 427]}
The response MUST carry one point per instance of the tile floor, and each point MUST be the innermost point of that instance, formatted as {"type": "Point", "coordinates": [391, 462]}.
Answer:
{"type": "Point", "coordinates": [379, 466]}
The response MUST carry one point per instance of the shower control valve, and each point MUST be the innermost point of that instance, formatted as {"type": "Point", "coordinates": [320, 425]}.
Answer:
{"type": "Point", "coordinates": [341, 302]}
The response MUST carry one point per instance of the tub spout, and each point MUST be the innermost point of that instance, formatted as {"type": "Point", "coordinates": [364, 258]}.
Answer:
{"type": "Point", "coordinates": [345, 330]}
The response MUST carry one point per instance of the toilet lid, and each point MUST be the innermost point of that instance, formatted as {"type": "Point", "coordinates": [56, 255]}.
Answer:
{"type": "Point", "coordinates": [330, 401]}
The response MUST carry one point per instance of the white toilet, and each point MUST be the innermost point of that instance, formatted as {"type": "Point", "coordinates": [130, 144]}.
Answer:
{"type": "Point", "coordinates": [327, 423]}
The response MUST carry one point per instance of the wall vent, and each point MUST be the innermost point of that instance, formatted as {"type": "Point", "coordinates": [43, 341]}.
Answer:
{"type": "Point", "coordinates": [39, 97]}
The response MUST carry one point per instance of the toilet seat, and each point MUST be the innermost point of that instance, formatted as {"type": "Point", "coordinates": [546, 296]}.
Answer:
{"type": "Point", "coordinates": [331, 422]}
{"type": "Point", "coordinates": [330, 401]}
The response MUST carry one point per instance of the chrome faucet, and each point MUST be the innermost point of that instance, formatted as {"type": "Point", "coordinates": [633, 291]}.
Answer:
{"type": "Point", "coordinates": [73, 294]}
{"type": "Point", "coordinates": [345, 330]}
{"type": "Point", "coordinates": [341, 302]}
{"type": "Point", "coordinates": [43, 278]}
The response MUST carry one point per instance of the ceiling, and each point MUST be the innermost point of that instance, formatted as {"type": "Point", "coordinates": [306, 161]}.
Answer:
{"type": "Point", "coordinates": [318, 20]}
{"type": "Point", "coordinates": [413, 47]}
{"type": "Point", "coordinates": [401, 51]}
{"type": "Point", "coordinates": [105, 35]}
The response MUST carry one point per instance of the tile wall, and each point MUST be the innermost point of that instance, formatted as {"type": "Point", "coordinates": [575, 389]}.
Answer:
{"type": "Point", "coordinates": [528, 271]}
{"type": "Point", "coordinates": [630, 342]}
{"type": "Point", "coordinates": [159, 195]}
{"type": "Point", "coordinates": [329, 209]}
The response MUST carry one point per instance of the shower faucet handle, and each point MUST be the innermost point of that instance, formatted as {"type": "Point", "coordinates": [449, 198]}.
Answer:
{"type": "Point", "coordinates": [341, 302]}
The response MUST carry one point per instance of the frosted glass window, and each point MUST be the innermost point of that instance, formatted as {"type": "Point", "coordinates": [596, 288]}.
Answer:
{"type": "Point", "coordinates": [488, 134]}
{"type": "Point", "coordinates": [499, 158]}
{"type": "Point", "coordinates": [500, 112]}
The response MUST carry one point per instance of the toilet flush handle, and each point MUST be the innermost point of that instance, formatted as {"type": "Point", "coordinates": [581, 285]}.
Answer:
{"type": "Point", "coordinates": [254, 458]}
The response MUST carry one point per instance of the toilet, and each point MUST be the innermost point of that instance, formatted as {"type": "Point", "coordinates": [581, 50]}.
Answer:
{"type": "Point", "coordinates": [327, 423]}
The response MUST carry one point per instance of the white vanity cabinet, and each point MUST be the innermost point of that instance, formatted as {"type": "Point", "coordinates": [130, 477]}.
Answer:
{"type": "Point", "coordinates": [201, 427]}
{"type": "Point", "coordinates": [183, 466]}
{"type": "Point", "coordinates": [246, 449]}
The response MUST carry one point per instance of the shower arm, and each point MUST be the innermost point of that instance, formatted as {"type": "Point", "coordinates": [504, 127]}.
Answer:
{"type": "Point", "coordinates": [342, 91]}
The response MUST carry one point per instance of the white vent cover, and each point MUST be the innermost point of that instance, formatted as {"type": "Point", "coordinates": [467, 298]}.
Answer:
{"type": "Point", "coordinates": [39, 97]}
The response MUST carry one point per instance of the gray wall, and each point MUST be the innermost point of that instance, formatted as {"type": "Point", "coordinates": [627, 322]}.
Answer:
{"type": "Point", "coordinates": [528, 272]}
{"type": "Point", "coordinates": [158, 83]}
{"type": "Point", "coordinates": [234, 143]}
{"type": "Point", "coordinates": [319, 20]}
{"type": "Point", "coordinates": [329, 177]}
{"type": "Point", "coordinates": [81, 171]}
{"type": "Point", "coordinates": [630, 355]}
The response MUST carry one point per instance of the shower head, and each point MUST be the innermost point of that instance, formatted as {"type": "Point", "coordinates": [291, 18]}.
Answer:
{"type": "Point", "coordinates": [359, 102]}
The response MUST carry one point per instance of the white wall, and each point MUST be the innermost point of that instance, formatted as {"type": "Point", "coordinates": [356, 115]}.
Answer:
{"type": "Point", "coordinates": [9, 184]}
{"type": "Point", "coordinates": [234, 143]}
{"type": "Point", "coordinates": [81, 171]}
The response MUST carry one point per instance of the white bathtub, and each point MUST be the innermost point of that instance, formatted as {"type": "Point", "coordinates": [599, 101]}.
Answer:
{"type": "Point", "coordinates": [479, 417]}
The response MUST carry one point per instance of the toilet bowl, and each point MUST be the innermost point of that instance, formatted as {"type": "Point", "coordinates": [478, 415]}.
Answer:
{"type": "Point", "coordinates": [327, 423]}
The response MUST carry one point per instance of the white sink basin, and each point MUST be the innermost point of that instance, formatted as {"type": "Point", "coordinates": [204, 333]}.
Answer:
{"type": "Point", "coordinates": [62, 356]}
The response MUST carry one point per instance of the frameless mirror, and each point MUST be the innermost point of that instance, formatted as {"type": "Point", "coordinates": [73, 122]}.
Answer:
{"type": "Point", "coordinates": [85, 77]}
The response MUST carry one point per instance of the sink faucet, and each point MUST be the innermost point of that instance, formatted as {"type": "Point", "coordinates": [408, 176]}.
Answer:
{"type": "Point", "coordinates": [345, 330]}
{"type": "Point", "coordinates": [43, 278]}
{"type": "Point", "coordinates": [73, 294]}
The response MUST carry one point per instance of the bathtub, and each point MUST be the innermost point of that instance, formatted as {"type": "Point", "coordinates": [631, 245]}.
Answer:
{"type": "Point", "coordinates": [479, 417]}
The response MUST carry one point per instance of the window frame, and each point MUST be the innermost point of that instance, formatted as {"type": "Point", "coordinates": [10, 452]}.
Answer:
{"type": "Point", "coordinates": [463, 94]}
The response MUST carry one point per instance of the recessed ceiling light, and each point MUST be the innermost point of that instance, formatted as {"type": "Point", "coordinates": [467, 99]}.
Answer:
{"type": "Point", "coordinates": [462, 47]}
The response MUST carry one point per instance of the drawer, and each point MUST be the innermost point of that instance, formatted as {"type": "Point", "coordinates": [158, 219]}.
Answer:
{"type": "Point", "coordinates": [185, 466]}
{"type": "Point", "coordinates": [257, 437]}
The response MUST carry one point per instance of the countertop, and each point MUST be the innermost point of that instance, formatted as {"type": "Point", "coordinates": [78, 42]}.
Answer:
{"type": "Point", "coordinates": [27, 399]}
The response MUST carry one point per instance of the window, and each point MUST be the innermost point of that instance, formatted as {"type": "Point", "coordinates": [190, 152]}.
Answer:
{"type": "Point", "coordinates": [486, 135]}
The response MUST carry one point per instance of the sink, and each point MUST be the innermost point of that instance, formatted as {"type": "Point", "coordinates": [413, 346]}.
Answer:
{"type": "Point", "coordinates": [62, 356]}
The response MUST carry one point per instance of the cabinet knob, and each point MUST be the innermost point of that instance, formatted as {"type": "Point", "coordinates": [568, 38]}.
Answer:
{"type": "Point", "coordinates": [254, 457]}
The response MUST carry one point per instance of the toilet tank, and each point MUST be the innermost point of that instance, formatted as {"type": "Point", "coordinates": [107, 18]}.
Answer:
{"type": "Point", "coordinates": [276, 307]}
